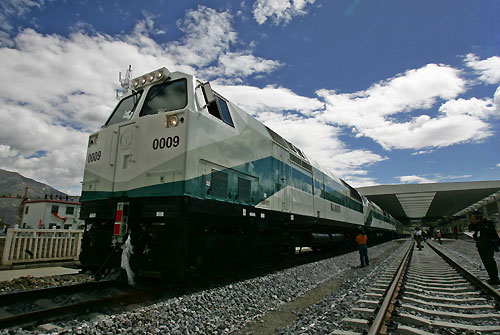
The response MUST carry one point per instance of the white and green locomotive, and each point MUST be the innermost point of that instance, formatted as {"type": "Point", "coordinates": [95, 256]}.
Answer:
{"type": "Point", "coordinates": [194, 180]}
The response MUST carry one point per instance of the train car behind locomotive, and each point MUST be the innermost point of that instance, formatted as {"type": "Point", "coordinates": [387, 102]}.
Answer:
{"type": "Point", "coordinates": [180, 178]}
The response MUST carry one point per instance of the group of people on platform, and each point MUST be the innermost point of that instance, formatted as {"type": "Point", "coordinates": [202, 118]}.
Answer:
{"type": "Point", "coordinates": [487, 243]}
{"type": "Point", "coordinates": [485, 234]}
{"type": "Point", "coordinates": [486, 237]}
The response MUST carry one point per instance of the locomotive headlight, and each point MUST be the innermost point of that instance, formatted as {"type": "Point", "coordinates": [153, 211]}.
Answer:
{"type": "Point", "coordinates": [135, 83]}
{"type": "Point", "coordinates": [143, 80]}
{"type": "Point", "coordinates": [93, 140]}
{"type": "Point", "coordinates": [159, 74]}
{"type": "Point", "coordinates": [151, 77]}
{"type": "Point", "coordinates": [173, 121]}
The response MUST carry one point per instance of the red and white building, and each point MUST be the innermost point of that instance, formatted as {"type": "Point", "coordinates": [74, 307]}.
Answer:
{"type": "Point", "coordinates": [49, 214]}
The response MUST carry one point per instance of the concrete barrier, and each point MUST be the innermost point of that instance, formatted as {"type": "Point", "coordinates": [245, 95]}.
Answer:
{"type": "Point", "coordinates": [41, 245]}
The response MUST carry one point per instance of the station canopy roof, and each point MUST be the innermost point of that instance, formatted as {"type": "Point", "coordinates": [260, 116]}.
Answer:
{"type": "Point", "coordinates": [433, 202]}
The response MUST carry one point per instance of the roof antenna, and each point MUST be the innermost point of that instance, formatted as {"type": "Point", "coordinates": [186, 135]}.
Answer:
{"type": "Point", "coordinates": [125, 83]}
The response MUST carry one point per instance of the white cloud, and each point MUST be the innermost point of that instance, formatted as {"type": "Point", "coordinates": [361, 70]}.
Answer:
{"type": "Point", "coordinates": [235, 65]}
{"type": "Point", "coordinates": [206, 47]}
{"type": "Point", "coordinates": [374, 112]}
{"type": "Point", "coordinates": [147, 26]}
{"type": "Point", "coordinates": [59, 89]}
{"type": "Point", "coordinates": [9, 8]}
{"type": "Point", "coordinates": [208, 34]}
{"type": "Point", "coordinates": [424, 131]}
{"type": "Point", "coordinates": [480, 108]}
{"type": "Point", "coordinates": [496, 99]}
{"type": "Point", "coordinates": [269, 99]}
{"type": "Point", "coordinates": [280, 11]}
{"type": "Point", "coordinates": [414, 89]}
{"type": "Point", "coordinates": [41, 148]}
{"type": "Point", "coordinates": [498, 165]}
{"type": "Point", "coordinates": [459, 177]}
{"type": "Point", "coordinates": [415, 180]}
{"type": "Point", "coordinates": [7, 152]}
{"type": "Point", "coordinates": [488, 69]}
{"type": "Point", "coordinates": [356, 181]}
{"type": "Point", "coordinates": [422, 152]}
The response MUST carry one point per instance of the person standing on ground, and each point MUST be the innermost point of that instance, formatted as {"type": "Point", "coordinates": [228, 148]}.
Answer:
{"type": "Point", "coordinates": [418, 237]}
{"type": "Point", "coordinates": [363, 249]}
{"type": "Point", "coordinates": [438, 236]}
{"type": "Point", "coordinates": [487, 242]}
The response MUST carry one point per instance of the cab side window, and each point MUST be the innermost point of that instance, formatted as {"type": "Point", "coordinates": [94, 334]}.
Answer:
{"type": "Point", "coordinates": [220, 110]}
{"type": "Point", "coordinates": [125, 109]}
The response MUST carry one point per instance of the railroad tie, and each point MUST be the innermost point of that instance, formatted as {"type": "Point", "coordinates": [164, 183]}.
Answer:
{"type": "Point", "coordinates": [4, 313]}
{"type": "Point", "coordinates": [417, 320]}
{"type": "Point", "coordinates": [344, 332]}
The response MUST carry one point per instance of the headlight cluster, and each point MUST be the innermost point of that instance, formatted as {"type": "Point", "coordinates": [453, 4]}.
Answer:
{"type": "Point", "coordinates": [171, 121]}
{"type": "Point", "coordinates": [149, 78]}
{"type": "Point", "coordinates": [93, 140]}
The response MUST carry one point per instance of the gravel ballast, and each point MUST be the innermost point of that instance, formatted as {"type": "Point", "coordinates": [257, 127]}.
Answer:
{"type": "Point", "coordinates": [465, 252]}
{"type": "Point", "coordinates": [246, 307]}
{"type": "Point", "coordinates": [326, 315]}
{"type": "Point", "coordinates": [225, 309]}
{"type": "Point", "coordinates": [33, 283]}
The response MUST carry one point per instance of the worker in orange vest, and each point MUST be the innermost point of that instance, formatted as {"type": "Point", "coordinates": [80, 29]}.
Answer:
{"type": "Point", "coordinates": [361, 239]}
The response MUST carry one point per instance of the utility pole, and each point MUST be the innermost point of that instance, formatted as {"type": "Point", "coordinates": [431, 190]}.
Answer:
{"type": "Point", "coordinates": [21, 207]}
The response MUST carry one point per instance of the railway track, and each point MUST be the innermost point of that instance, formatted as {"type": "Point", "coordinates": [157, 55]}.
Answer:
{"type": "Point", "coordinates": [426, 293]}
{"type": "Point", "coordinates": [29, 308]}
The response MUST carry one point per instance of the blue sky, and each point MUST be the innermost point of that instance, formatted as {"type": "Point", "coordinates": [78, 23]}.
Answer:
{"type": "Point", "coordinates": [380, 92]}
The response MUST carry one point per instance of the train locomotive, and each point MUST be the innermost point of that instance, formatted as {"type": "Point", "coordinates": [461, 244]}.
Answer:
{"type": "Point", "coordinates": [179, 178]}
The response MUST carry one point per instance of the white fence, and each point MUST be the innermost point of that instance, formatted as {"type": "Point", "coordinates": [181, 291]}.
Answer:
{"type": "Point", "coordinates": [41, 245]}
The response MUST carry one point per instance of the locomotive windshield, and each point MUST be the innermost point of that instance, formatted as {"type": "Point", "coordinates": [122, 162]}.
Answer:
{"type": "Point", "coordinates": [165, 97]}
{"type": "Point", "coordinates": [125, 109]}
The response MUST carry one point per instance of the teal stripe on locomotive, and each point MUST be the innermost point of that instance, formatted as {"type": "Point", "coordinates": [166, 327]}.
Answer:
{"type": "Point", "coordinates": [382, 217]}
{"type": "Point", "coordinates": [160, 190]}
{"type": "Point", "coordinates": [369, 219]}
{"type": "Point", "coordinates": [375, 215]}
{"type": "Point", "coordinates": [264, 172]}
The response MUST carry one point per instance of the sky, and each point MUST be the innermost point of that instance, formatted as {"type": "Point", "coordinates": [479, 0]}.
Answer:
{"type": "Point", "coordinates": [379, 92]}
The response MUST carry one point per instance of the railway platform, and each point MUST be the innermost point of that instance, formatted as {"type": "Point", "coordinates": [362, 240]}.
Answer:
{"type": "Point", "coordinates": [10, 274]}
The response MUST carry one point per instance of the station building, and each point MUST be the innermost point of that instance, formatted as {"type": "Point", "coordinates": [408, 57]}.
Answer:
{"type": "Point", "coordinates": [51, 214]}
{"type": "Point", "coordinates": [443, 206]}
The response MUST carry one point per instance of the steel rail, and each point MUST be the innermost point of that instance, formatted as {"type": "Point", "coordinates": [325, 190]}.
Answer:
{"type": "Point", "coordinates": [7, 298]}
{"type": "Point", "coordinates": [378, 322]}
{"type": "Point", "coordinates": [485, 287]}
{"type": "Point", "coordinates": [58, 312]}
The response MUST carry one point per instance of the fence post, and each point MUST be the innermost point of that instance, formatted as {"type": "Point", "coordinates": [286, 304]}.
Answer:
{"type": "Point", "coordinates": [6, 249]}
{"type": "Point", "coordinates": [79, 236]}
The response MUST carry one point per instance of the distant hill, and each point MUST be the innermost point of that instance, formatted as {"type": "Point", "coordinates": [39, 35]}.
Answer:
{"type": "Point", "coordinates": [12, 187]}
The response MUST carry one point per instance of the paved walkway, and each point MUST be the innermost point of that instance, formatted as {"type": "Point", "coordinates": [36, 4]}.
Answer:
{"type": "Point", "coordinates": [35, 272]}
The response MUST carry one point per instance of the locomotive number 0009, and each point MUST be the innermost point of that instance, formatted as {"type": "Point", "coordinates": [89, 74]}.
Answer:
{"type": "Point", "coordinates": [165, 142]}
{"type": "Point", "coordinates": [93, 157]}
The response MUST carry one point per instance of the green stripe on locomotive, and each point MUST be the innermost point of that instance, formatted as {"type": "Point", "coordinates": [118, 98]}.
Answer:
{"type": "Point", "coordinates": [261, 174]}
